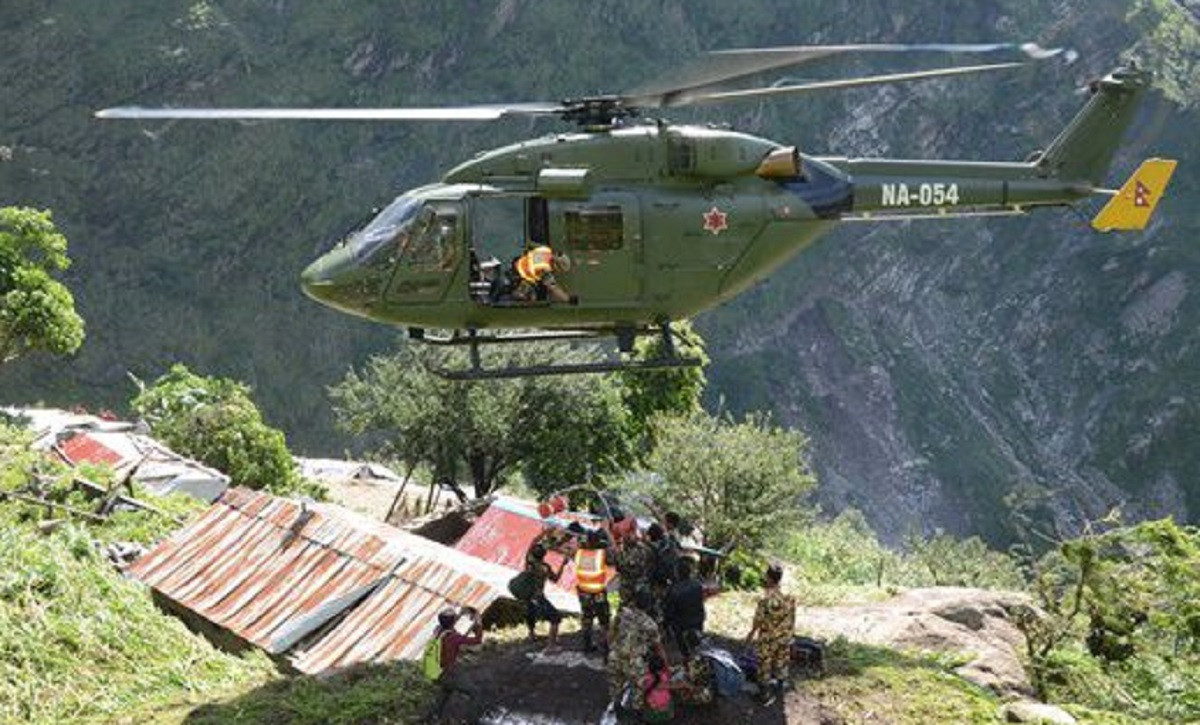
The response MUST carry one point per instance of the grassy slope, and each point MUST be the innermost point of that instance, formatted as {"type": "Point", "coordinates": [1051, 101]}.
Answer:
{"type": "Point", "coordinates": [79, 643]}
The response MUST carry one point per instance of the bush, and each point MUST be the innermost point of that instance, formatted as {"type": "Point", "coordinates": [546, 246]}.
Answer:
{"type": "Point", "coordinates": [843, 551]}
{"type": "Point", "coordinates": [846, 552]}
{"type": "Point", "coordinates": [214, 421]}
{"type": "Point", "coordinates": [739, 483]}
{"type": "Point", "coordinates": [1121, 623]}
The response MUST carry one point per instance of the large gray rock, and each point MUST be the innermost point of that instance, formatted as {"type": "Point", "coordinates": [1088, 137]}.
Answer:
{"type": "Point", "coordinates": [976, 623]}
{"type": "Point", "coordinates": [1036, 712]}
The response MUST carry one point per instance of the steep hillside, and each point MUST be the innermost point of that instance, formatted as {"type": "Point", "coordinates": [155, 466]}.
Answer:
{"type": "Point", "coordinates": [952, 371]}
{"type": "Point", "coordinates": [941, 368]}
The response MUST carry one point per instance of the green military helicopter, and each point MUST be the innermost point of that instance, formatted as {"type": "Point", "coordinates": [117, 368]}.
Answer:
{"type": "Point", "coordinates": [660, 221]}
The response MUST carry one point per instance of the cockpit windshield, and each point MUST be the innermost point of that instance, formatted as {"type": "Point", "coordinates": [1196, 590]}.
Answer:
{"type": "Point", "coordinates": [393, 222]}
{"type": "Point", "coordinates": [420, 234]}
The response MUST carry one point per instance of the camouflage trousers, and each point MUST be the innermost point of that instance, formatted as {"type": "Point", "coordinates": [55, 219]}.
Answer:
{"type": "Point", "coordinates": [773, 658]}
{"type": "Point", "coordinates": [624, 667]}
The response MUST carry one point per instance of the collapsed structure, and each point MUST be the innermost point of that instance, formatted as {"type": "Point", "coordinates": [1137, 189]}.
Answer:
{"type": "Point", "coordinates": [316, 586]}
{"type": "Point", "coordinates": [77, 438]}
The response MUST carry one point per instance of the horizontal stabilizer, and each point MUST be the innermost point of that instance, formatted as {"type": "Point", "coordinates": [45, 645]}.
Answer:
{"type": "Point", "coordinates": [1132, 206]}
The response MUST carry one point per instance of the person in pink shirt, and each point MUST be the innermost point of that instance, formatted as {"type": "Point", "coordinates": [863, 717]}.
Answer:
{"type": "Point", "coordinates": [452, 639]}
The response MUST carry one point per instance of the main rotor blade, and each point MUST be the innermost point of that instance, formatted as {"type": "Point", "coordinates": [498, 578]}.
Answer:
{"type": "Point", "coordinates": [451, 113]}
{"type": "Point", "coordinates": [723, 66]}
{"type": "Point", "coordinates": [749, 93]}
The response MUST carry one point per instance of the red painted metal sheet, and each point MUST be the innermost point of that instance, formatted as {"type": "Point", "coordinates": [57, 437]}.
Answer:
{"type": "Point", "coordinates": [82, 448]}
{"type": "Point", "coordinates": [504, 532]}
{"type": "Point", "coordinates": [264, 568]}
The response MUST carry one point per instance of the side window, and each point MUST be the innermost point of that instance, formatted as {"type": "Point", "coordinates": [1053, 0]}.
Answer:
{"type": "Point", "coordinates": [595, 228]}
{"type": "Point", "coordinates": [433, 243]}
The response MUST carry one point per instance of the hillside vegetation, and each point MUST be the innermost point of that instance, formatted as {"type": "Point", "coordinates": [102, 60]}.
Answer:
{"type": "Point", "coordinates": [80, 643]}
{"type": "Point", "coordinates": [966, 375]}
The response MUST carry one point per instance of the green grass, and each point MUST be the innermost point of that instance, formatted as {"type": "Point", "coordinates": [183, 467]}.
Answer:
{"type": "Point", "coordinates": [864, 683]}
{"type": "Point", "coordinates": [392, 693]}
{"type": "Point", "coordinates": [80, 643]}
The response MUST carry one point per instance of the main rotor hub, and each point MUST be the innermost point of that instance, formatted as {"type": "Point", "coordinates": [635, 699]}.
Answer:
{"type": "Point", "coordinates": [597, 111]}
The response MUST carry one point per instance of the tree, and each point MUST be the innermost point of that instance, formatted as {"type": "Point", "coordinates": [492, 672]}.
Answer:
{"type": "Point", "coordinates": [215, 421]}
{"type": "Point", "coordinates": [738, 482]}
{"type": "Point", "coordinates": [37, 312]}
{"type": "Point", "coordinates": [1117, 623]}
{"type": "Point", "coordinates": [674, 391]}
{"type": "Point", "coordinates": [557, 430]}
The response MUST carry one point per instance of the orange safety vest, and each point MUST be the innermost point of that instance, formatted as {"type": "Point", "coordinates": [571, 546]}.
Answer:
{"type": "Point", "coordinates": [535, 263]}
{"type": "Point", "coordinates": [590, 571]}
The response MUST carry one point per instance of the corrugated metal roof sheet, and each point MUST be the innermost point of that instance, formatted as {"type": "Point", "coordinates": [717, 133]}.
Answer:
{"type": "Point", "coordinates": [503, 533]}
{"type": "Point", "coordinates": [86, 448]}
{"type": "Point", "coordinates": [276, 573]}
{"type": "Point", "coordinates": [159, 469]}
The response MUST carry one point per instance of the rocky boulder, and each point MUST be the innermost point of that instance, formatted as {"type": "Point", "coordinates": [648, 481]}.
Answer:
{"type": "Point", "coordinates": [976, 623]}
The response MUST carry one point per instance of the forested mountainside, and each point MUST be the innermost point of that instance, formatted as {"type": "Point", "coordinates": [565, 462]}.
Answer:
{"type": "Point", "coordinates": [963, 375]}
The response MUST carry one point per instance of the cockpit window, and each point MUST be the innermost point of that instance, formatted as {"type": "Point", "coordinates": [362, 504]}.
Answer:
{"type": "Point", "coordinates": [432, 243]}
{"type": "Point", "coordinates": [371, 245]}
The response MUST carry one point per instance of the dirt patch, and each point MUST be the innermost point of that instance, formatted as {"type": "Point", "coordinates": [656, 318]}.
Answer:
{"type": "Point", "coordinates": [510, 684]}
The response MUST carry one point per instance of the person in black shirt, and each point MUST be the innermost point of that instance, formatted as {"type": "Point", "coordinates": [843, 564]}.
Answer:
{"type": "Point", "coordinates": [539, 607]}
{"type": "Point", "coordinates": [683, 606]}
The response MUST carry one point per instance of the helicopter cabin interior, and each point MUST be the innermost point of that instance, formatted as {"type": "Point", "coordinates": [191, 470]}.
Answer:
{"type": "Point", "coordinates": [598, 235]}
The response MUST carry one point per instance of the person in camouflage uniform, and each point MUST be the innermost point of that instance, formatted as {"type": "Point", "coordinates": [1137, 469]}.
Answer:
{"type": "Point", "coordinates": [772, 632]}
{"type": "Point", "coordinates": [633, 633]}
{"type": "Point", "coordinates": [634, 561]}
{"type": "Point", "coordinates": [698, 683]}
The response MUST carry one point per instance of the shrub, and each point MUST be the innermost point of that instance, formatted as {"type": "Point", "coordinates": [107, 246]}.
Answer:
{"type": "Point", "coordinates": [214, 421]}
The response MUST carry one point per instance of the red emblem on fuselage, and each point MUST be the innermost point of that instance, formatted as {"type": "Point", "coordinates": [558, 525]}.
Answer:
{"type": "Point", "coordinates": [715, 221]}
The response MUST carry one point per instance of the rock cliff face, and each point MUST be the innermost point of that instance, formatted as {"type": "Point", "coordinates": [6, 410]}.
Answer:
{"type": "Point", "coordinates": [982, 376]}
{"type": "Point", "coordinates": [964, 375]}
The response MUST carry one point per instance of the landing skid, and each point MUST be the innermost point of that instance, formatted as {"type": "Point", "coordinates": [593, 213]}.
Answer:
{"type": "Point", "coordinates": [474, 339]}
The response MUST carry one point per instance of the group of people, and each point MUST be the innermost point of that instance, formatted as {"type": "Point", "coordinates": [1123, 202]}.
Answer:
{"type": "Point", "coordinates": [661, 609]}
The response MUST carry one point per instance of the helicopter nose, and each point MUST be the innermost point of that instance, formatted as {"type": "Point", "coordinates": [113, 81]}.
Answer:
{"type": "Point", "coordinates": [335, 280]}
{"type": "Point", "coordinates": [317, 281]}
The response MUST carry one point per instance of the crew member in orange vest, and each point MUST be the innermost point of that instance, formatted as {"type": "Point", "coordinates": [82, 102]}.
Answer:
{"type": "Point", "coordinates": [591, 580]}
{"type": "Point", "coordinates": [535, 275]}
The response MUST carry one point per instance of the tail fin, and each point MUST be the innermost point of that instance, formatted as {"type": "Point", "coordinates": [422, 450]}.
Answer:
{"type": "Point", "coordinates": [1083, 150]}
{"type": "Point", "coordinates": [1132, 206]}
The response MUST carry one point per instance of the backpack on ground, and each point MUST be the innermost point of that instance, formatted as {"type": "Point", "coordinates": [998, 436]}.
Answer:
{"type": "Point", "coordinates": [808, 655]}
{"type": "Point", "coordinates": [729, 677]}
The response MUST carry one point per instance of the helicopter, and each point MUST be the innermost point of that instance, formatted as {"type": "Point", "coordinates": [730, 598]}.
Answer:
{"type": "Point", "coordinates": [658, 221]}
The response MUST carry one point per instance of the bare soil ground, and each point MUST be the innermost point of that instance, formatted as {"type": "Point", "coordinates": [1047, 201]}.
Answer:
{"type": "Point", "coordinates": [507, 684]}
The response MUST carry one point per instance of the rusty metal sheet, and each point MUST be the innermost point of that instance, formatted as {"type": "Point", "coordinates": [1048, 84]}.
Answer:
{"type": "Point", "coordinates": [275, 572]}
